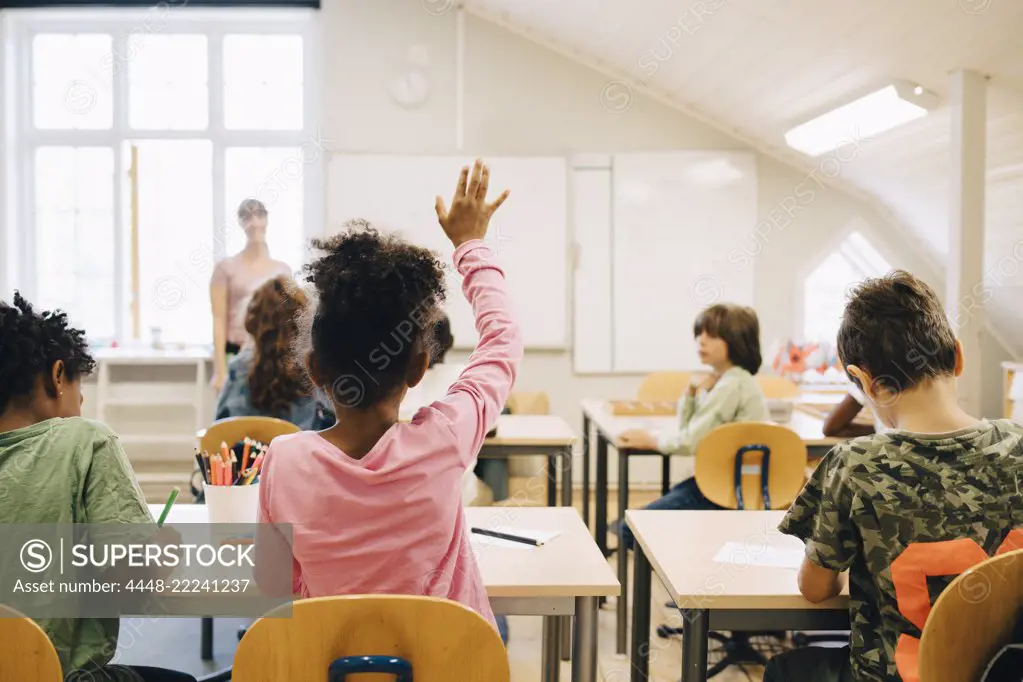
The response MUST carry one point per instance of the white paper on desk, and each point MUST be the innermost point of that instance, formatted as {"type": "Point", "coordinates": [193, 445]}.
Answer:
{"type": "Point", "coordinates": [485, 541]}
{"type": "Point", "coordinates": [758, 554]}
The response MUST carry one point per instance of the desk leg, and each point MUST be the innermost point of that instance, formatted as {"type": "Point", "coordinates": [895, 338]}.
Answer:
{"type": "Point", "coordinates": [640, 654]}
{"type": "Point", "coordinates": [566, 477]}
{"type": "Point", "coordinates": [665, 474]}
{"type": "Point", "coordinates": [206, 640]}
{"type": "Point", "coordinates": [551, 666]}
{"type": "Point", "coordinates": [586, 470]}
{"type": "Point", "coordinates": [552, 481]}
{"type": "Point", "coordinates": [694, 644]}
{"type": "Point", "coordinates": [623, 553]}
{"type": "Point", "coordinates": [566, 501]}
{"type": "Point", "coordinates": [600, 496]}
{"type": "Point", "coordinates": [584, 653]}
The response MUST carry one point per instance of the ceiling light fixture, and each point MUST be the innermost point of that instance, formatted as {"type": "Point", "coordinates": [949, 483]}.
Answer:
{"type": "Point", "coordinates": [881, 110]}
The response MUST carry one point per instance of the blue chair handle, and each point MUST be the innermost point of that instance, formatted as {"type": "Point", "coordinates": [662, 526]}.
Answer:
{"type": "Point", "coordinates": [383, 665]}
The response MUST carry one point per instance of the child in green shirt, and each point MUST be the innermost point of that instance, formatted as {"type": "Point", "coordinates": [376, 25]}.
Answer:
{"type": "Point", "coordinates": [56, 467]}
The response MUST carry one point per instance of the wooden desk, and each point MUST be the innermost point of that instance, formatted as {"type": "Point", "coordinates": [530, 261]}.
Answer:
{"type": "Point", "coordinates": [608, 428]}
{"type": "Point", "coordinates": [530, 435]}
{"type": "Point", "coordinates": [680, 547]}
{"type": "Point", "coordinates": [564, 578]}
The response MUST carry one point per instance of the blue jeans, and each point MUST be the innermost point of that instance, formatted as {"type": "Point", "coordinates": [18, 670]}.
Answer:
{"type": "Point", "coordinates": [684, 496]}
{"type": "Point", "coordinates": [502, 627]}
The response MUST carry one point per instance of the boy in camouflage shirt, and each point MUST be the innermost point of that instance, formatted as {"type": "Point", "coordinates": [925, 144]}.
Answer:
{"type": "Point", "coordinates": [906, 511]}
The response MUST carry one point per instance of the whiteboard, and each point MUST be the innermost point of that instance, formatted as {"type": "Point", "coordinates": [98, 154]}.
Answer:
{"type": "Point", "coordinates": [397, 194]}
{"type": "Point", "coordinates": [678, 221]}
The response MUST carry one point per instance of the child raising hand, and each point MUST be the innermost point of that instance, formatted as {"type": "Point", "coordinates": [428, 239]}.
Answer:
{"type": "Point", "coordinates": [376, 504]}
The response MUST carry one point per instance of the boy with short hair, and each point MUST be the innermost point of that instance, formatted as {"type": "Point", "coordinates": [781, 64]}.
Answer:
{"type": "Point", "coordinates": [907, 510]}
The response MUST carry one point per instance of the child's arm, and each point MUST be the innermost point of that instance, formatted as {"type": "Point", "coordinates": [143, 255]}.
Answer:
{"type": "Point", "coordinates": [696, 421]}
{"type": "Point", "coordinates": [111, 493]}
{"type": "Point", "coordinates": [275, 575]}
{"type": "Point", "coordinates": [474, 401]}
{"type": "Point", "coordinates": [818, 584]}
{"type": "Point", "coordinates": [821, 517]}
{"type": "Point", "coordinates": [839, 423]}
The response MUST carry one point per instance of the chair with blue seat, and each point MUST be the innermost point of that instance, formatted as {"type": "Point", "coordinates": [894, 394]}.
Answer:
{"type": "Point", "coordinates": [327, 639]}
{"type": "Point", "coordinates": [747, 466]}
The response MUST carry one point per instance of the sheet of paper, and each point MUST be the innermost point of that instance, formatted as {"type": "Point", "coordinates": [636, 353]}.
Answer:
{"type": "Point", "coordinates": [485, 541]}
{"type": "Point", "coordinates": [760, 554]}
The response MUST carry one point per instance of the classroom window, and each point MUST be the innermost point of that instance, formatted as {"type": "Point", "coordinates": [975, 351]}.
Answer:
{"type": "Point", "coordinates": [167, 82]}
{"type": "Point", "coordinates": [139, 137]}
{"type": "Point", "coordinates": [826, 288]}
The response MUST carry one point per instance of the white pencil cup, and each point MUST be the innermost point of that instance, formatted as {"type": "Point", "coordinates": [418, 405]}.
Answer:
{"type": "Point", "coordinates": [232, 503]}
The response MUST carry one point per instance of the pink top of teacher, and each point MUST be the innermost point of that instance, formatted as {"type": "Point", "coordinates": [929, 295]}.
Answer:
{"type": "Point", "coordinates": [392, 522]}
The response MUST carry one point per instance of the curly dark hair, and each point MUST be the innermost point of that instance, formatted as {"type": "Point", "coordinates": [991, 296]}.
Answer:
{"type": "Point", "coordinates": [31, 342]}
{"type": "Point", "coordinates": [276, 380]}
{"type": "Point", "coordinates": [443, 340]}
{"type": "Point", "coordinates": [379, 300]}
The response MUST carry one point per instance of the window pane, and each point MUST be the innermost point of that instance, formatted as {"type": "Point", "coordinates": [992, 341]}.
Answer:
{"type": "Point", "coordinates": [168, 82]}
{"type": "Point", "coordinates": [176, 239]}
{"type": "Point", "coordinates": [72, 81]}
{"type": "Point", "coordinates": [275, 176]}
{"type": "Point", "coordinates": [263, 82]}
{"type": "Point", "coordinates": [826, 290]}
{"type": "Point", "coordinates": [74, 235]}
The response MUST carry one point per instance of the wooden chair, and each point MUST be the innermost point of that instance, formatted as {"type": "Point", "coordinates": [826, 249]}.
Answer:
{"type": "Point", "coordinates": [27, 653]}
{"type": "Point", "coordinates": [663, 387]}
{"type": "Point", "coordinates": [747, 465]}
{"type": "Point", "coordinates": [972, 620]}
{"type": "Point", "coordinates": [751, 465]}
{"type": "Point", "coordinates": [234, 429]}
{"type": "Point", "coordinates": [775, 387]}
{"type": "Point", "coordinates": [529, 403]}
{"type": "Point", "coordinates": [438, 639]}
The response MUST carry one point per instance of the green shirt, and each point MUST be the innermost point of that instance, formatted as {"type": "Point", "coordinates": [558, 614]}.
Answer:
{"type": "Point", "coordinates": [70, 471]}
{"type": "Point", "coordinates": [736, 397]}
{"type": "Point", "coordinates": [905, 513]}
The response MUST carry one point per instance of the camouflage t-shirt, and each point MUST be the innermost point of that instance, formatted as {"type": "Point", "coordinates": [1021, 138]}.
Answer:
{"type": "Point", "coordinates": [904, 513]}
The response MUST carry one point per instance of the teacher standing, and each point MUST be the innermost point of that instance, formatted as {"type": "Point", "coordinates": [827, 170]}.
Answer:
{"type": "Point", "coordinates": [233, 282]}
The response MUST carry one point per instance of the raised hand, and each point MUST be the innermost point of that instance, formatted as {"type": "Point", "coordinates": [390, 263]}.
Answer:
{"type": "Point", "coordinates": [470, 213]}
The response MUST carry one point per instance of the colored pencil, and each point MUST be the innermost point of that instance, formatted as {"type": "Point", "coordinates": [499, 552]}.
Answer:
{"type": "Point", "coordinates": [245, 454]}
{"type": "Point", "coordinates": [202, 469]}
{"type": "Point", "coordinates": [167, 506]}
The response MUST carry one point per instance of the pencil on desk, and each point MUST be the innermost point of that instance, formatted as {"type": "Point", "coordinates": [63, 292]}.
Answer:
{"type": "Point", "coordinates": [505, 536]}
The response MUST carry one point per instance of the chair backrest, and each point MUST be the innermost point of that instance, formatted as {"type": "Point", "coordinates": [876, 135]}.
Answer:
{"type": "Point", "coordinates": [972, 619]}
{"type": "Point", "coordinates": [529, 403]}
{"type": "Point", "coordinates": [734, 458]}
{"type": "Point", "coordinates": [663, 387]}
{"type": "Point", "coordinates": [777, 387]}
{"type": "Point", "coordinates": [234, 429]}
{"type": "Point", "coordinates": [27, 653]}
{"type": "Point", "coordinates": [443, 640]}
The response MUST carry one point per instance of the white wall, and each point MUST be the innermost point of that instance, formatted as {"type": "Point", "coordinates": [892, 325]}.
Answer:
{"type": "Point", "coordinates": [520, 99]}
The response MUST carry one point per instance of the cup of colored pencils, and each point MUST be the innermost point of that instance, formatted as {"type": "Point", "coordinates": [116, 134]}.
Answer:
{"type": "Point", "coordinates": [231, 481]}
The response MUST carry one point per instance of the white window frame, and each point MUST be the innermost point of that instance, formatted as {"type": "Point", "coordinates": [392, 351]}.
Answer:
{"type": "Point", "coordinates": [21, 138]}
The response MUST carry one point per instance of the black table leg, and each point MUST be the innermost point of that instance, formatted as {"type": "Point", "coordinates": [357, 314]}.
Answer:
{"type": "Point", "coordinates": [600, 496]}
{"type": "Point", "coordinates": [665, 474]}
{"type": "Point", "coordinates": [206, 640]}
{"type": "Point", "coordinates": [623, 553]}
{"type": "Point", "coordinates": [586, 470]}
{"type": "Point", "coordinates": [640, 653]}
{"type": "Point", "coordinates": [566, 477]}
{"type": "Point", "coordinates": [552, 481]}
{"type": "Point", "coordinates": [695, 629]}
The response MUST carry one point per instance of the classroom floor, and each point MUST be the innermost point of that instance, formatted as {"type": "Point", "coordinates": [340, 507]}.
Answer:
{"type": "Point", "coordinates": [174, 643]}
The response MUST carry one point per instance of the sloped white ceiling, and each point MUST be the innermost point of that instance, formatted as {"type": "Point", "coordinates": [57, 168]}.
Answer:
{"type": "Point", "coordinates": [758, 67]}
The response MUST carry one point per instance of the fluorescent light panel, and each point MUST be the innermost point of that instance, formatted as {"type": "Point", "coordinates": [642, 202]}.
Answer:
{"type": "Point", "coordinates": [868, 116]}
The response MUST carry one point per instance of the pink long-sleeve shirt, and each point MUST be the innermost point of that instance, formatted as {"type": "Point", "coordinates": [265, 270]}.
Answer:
{"type": "Point", "coordinates": [392, 522]}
